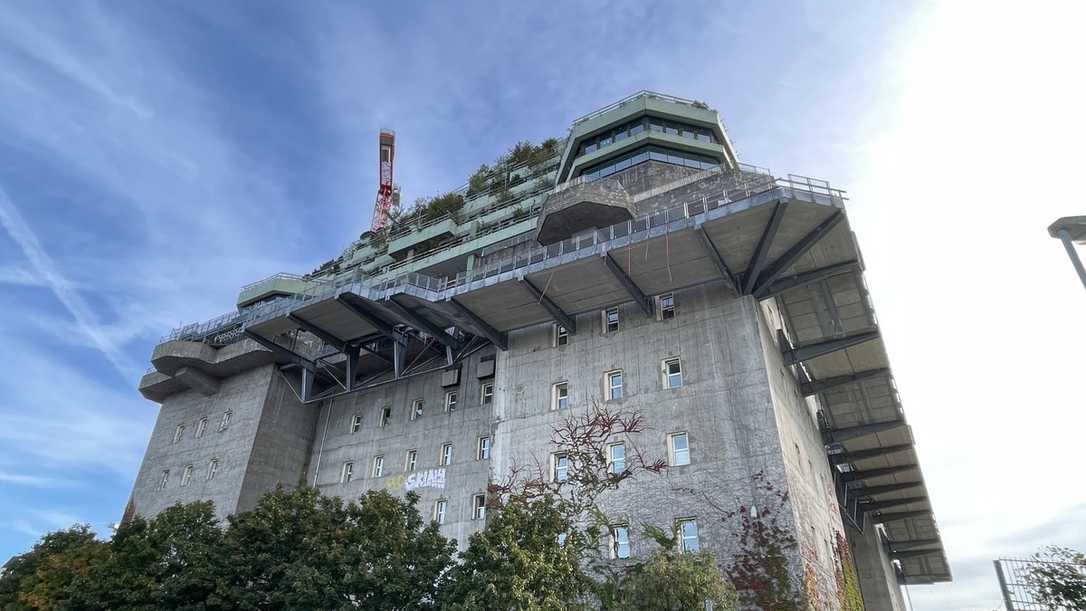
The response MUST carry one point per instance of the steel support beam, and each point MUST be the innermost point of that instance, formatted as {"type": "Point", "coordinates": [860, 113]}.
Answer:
{"type": "Point", "coordinates": [1065, 237]}
{"type": "Point", "coordinates": [718, 260]}
{"type": "Point", "coordinates": [880, 505]}
{"type": "Point", "coordinates": [816, 386]}
{"type": "Point", "coordinates": [862, 430]}
{"type": "Point", "coordinates": [785, 284]}
{"type": "Point", "coordinates": [897, 546]}
{"type": "Point", "coordinates": [799, 354]}
{"type": "Point", "coordinates": [368, 316]}
{"type": "Point", "coordinates": [778, 267]}
{"type": "Point", "coordinates": [846, 456]}
{"type": "Point", "coordinates": [324, 336]}
{"type": "Point", "coordinates": [399, 354]}
{"type": "Point", "coordinates": [422, 324]}
{"type": "Point", "coordinates": [286, 354]}
{"type": "Point", "coordinates": [873, 490]}
{"type": "Point", "coordinates": [893, 516]}
{"type": "Point", "coordinates": [496, 337]}
{"type": "Point", "coordinates": [857, 476]}
{"type": "Point", "coordinates": [560, 317]}
{"type": "Point", "coordinates": [631, 288]}
{"type": "Point", "coordinates": [757, 262]}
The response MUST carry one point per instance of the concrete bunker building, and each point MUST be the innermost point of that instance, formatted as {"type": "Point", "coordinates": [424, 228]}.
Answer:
{"type": "Point", "coordinates": [636, 263]}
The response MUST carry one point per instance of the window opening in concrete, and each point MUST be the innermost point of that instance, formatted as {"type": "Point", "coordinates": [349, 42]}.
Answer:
{"type": "Point", "coordinates": [165, 479]}
{"type": "Point", "coordinates": [561, 335]}
{"type": "Point", "coordinates": [665, 306]}
{"type": "Point", "coordinates": [346, 473]}
{"type": "Point", "coordinates": [678, 449]}
{"type": "Point", "coordinates": [614, 385]}
{"type": "Point", "coordinates": [560, 396]}
{"type": "Point", "coordinates": [356, 423]}
{"type": "Point", "coordinates": [212, 469]}
{"type": "Point", "coordinates": [688, 535]}
{"type": "Point", "coordinates": [484, 449]}
{"type": "Point", "coordinates": [440, 509]}
{"type": "Point", "coordinates": [411, 460]}
{"type": "Point", "coordinates": [225, 421]}
{"type": "Point", "coordinates": [450, 401]}
{"type": "Point", "coordinates": [673, 373]}
{"type": "Point", "coordinates": [378, 465]}
{"type": "Point", "coordinates": [620, 541]}
{"type": "Point", "coordinates": [201, 427]}
{"type": "Point", "coordinates": [617, 458]}
{"type": "Point", "coordinates": [416, 409]}
{"type": "Point", "coordinates": [478, 507]}
{"type": "Point", "coordinates": [446, 454]}
{"type": "Point", "coordinates": [186, 476]}
{"type": "Point", "coordinates": [386, 416]}
{"type": "Point", "coordinates": [560, 469]}
{"type": "Point", "coordinates": [610, 320]}
{"type": "Point", "coordinates": [178, 433]}
{"type": "Point", "coordinates": [486, 393]}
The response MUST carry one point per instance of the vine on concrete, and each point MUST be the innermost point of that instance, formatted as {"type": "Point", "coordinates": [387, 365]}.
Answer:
{"type": "Point", "coordinates": [848, 585]}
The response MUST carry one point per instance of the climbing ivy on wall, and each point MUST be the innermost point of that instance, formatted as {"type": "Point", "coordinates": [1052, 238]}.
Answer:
{"type": "Point", "coordinates": [848, 585]}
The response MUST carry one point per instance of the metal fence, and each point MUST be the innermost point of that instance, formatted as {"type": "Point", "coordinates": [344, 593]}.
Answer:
{"type": "Point", "coordinates": [1019, 594]}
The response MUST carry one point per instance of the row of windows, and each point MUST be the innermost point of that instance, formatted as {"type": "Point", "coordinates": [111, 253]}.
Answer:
{"type": "Point", "coordinates": [478, 508]}
{"type": "Point", "coordinates": [678, 455]}
{"type": "Point", "coordinates": [445, 458]}
{"type": "Point", "coordinates": [418, 408]}
{"type": "Point", "coordinates": [201, 427]}
{"type": "Point", "coordinates": [687, 529]}
{"type": "Point", "coordinates": [638, 126]}
{"type": "Point", "coordinates": [612, 319]}
{"type": "Point", "coordinates": [671, 376]}
{"type": "Point", "coordinates": [186, 474]}
{"type": "Point", "coordinates": [648, 153]}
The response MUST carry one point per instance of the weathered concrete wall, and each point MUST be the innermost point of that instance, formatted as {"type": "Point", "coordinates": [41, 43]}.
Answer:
{"type": "Point", "coordinates": [245, 395]}
{"type": "Point", "coordinates": [878, 580]}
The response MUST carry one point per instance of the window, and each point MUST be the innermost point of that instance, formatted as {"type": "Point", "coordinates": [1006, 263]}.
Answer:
{"type": "Point", "coordinates": [212, 468]}
{"type": "Point", "coordinates": [165, 479]}
{"type": "Point", "coordinates": [446, 454]}
{"type": "Point", "coordinates": [614, 385]}
{"type": "Point", "coordinates": [484, 449]}
{"type": "Point", "coordinates": [560, 467]}
{"type": "Point", "coordinates": [386, 416]}
{"type": "Point", "coordinates": [688, 535]}
{"type": "Point", "coordinates": [678, 449]}
{"type": "Point", "coordinates": [561, 336]}
{"type": "Point", "coordinates": [225, 421]}
{"type": "Point", "coordinates": [673, 373]}
{"type": "Point", "coordinates": [186, 476]}
{"type": "Point", "coordinates": [416, 409]}
{"type": "Point", "coordinates": [201, 427]}
{"type": "Point", "coordinates": [450, 401]}
{"type": "Point", "coordinates": [178, 432]}
{"type": "Point", "coordinates": [412, 458]}
{"type": "Point", "coordinates": [620, 541]}
{"type": "Point", "coordinates": [440, 509]}
{"type": "Point", "coordinates": [560, 396]}
{"type": "Point", "coordinates": [378, 465]}
{"type": "Point", "coordinates": [616, 459]}
{"type": "Point", "coordinates": [478, 507]}
{"type": "Point", "coordinates": [610, 320]}
{"type": "Point", "coordinates": [356, 423]}
{"type": "Point", "coordinates": [486, 393]}
{"type": "Point", "coordinates": [665, 306]}
{"type": "Point", "coordinates": [347, 473]}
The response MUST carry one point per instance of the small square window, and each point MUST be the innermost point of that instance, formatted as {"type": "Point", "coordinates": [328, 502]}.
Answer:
{"type": "Point", "coordinates": [225, 421]}
{"type": "Point", "coordinates": [620, 541]}
{"type": "Point", "coordinates": [411, 460]}
{"type": "Point", "coordinates": [440, 509]}
{"type": "Point", "coordinates": [378, 465]}
{"type": "Point", "coordinates": [561, 335]}
{"type": "Point", "coordinates": [478, 507]}
{"type": "Point", "coordinates": [164, 479]}
{"type": "Point", "coordinates": [450, 401]}
{"type": "Point", "coordinates": [665, 306]}
{"type": "Point", "coordinates": [446, 454]}
{"type": "Point", "coordinates": [486, 393]}
{"type": "Point", "coordinates": [610, 320]}
{"type": "Point", "coordinates": [201, 428]}
{"type": "Point", "coordinates": [212, 469]}
{"type": "Point", "coordinates": [614, 385]}
{"type": "Point", "coordinates": [416, 409]}
{"type": "Point", "coordinates": [559, 467]}
{"type": "Point", "coordinates": [178, 433]}
{"type": "Point", "coordinates": [560, 396]}
{"type": "Point", "coordinates": [386, 416]}
{"type": "Point", "coordinates": [356, 423]}
{"type": "Point", "coordinates": [616, 459]}
{"type": "Point", "coordinates": [688, 535]}
{"type": "Point", "coordinates": [346, 473]}
{"type": "Point", "coordinates": [678, 449]}
{"type": "Point", "coordinates": [186, 476]}
{"type": "Point", "coordinates": [673, 373]}
{"type": "Point", "coordinates": [484, 449]}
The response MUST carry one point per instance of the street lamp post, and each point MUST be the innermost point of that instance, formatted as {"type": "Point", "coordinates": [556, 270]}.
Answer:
{"type": "Point", "coordinates": [1071, 230]}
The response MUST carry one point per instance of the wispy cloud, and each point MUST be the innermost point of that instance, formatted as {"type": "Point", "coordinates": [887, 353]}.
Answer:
{"type": "Point", "coordinates": [36, 481]}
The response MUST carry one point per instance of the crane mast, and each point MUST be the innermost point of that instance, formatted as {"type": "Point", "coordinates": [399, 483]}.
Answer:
{"type": "Point", "coordinates": [386, 142]}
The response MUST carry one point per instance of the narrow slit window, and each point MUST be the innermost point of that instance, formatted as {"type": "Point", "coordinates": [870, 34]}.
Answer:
{"type": "Point", "coordinates": [225, 421]}
{"type": "Point", "coordinates": [178, 433]}
{"type": "Point", "coordinates": [441, 508]}
{"type": "Point", "coordinates": [610, 320]}
{"type": "Point", "coordinates": [386, 416]}
{"type": "Point", "coordinates": [561, 335]}
{"type": "Point", "coordinates": [560, 470]}
{"type": "Point", "coordinates": [484, 449]}
{"type": "Point", "coordinates": [212, 469]}
{"type": "Point", "coordinates": [346, 473]}
{"type": "Point", "coordinates": [186, 476]}
{"type": "Point", "coordinates": [665, 306]}
{"type": "Point", "coordinates": [617, 458]}
{"type": "Point", "coordinates": [356, 423]}
{"type": "Point", "coordinates": [450, 401]}
{"type": "Point", "coordinates": [620, 541]}
{"type": "Point", "coordinates": [478, 507]}
{"type": "Point", "coordinates": [446, 454]}
{"type": "Point", "coordinates": [416, 409]}
{"type": "Point", "coordinates": [673, 373]}
{"type": "Point", "coordinates": [164, 479]}
{"type": "Point", "coordinates": [201, 428]}
{"type": "Point", "coordinates": [678, 449]}
{"type": "Point", "coordinates": [560, 396]}
{"type": "Point", "coordinates": [486, 393]}
{"type": "Point", "coordinates": [614, 385]}
{"type": "Point", "coordinates": [688, 535]}
{"type": "Point", "coordinates": [378, 466]}
{"type": "Point", "coordinates": [411, 460]}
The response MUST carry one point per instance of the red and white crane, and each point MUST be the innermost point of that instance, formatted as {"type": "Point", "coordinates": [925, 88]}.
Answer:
{"type": "Point", "coordinates": [386, 141]}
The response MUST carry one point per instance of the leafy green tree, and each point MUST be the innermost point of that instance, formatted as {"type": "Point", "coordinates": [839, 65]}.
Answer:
{"type": "Point", "coordinates": [40, 578]}
{"type": "Point", "coordinates": [1059, 578]}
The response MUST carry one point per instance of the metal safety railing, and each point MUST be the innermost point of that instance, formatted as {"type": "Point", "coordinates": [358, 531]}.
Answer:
{"type": "Point", "coordinates": [1019, 581]}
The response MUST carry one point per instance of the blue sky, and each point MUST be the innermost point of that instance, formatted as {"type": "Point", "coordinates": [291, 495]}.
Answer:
{"type": "Point", "coordinates": [155, 156]}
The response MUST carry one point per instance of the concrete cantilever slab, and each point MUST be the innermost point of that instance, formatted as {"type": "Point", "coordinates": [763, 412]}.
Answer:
{"type": "Point", "coordinates": [170, 357]}
{"type": "Point", "coordinates": [589, 205]}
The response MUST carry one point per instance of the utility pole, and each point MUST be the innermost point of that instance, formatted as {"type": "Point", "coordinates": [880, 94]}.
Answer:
{"type": "Point", "coordinates": [1071, 230]}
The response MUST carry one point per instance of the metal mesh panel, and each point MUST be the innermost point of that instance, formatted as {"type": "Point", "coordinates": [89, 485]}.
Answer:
{"type": "Point", "coordinates": [1018, 593]}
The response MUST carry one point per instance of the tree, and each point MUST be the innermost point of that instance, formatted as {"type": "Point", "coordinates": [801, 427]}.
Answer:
{"type": "Point", "coordinates": [1058, 578]}
{"type": "Point", "coordinates": [40, 578]}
